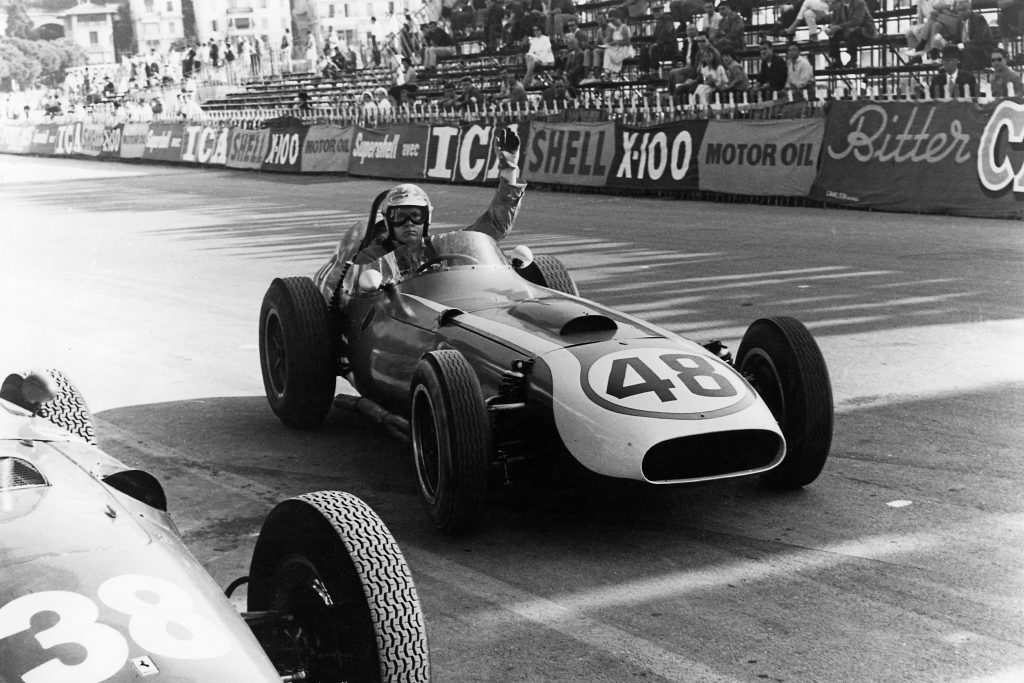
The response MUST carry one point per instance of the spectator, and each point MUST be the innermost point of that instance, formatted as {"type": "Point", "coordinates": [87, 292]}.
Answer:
{"type": "Point", "coordinates": [736, 82]}
{"type": "Point", "coordinates": [853, 25]}
{"type": "Point", "coordinates": [664, 44]}
{"type": "Point", "coordinates": [708, 21]}
{"type": "Point", "coordinates": [711, 76]}
{"type": "Point", "coordinates": [351, 61]}
{"type": "Point", "coordinates": [339, 61]}
{"type": "Point", "coordinates": [574, 66]}
{"type": "Point", "coordinates": [108, 87]}
{"type": "Point", "coordinates": [685, 11]}
{"type": "Point", "coordinates": [619, 48]}
{"type": "Point", "coordinates": [469, 98]}
{"type": "Point", "coordinates": [944, 24]}
{"type": "Point", "coordinates": [774, 74]}
{"type": "Point", "coordinates": [786, 16]}
{"type": "Point", "coordinates": [729, 33]}
{"type": "Point", "coordinates": [368, 108]}
{"type": "Point", "coordinates": [462, 17]}
{"type": "Point", "coordinates": [539, 52]}
{"type": "Point", "coordinates": [214, 53]}
{"type": "Point", "coordinates": [157, 106]}
{"type": "Point", "coordinates": [952, 81]}
{"type": "Point", "coordinates": [385, 105]}
{"type": "Point", "coordinates": [513, 90]}
{"type": "Point", "coordinates": [919, 30]}
{"type": "Point", "coordinates": [286, 51]}
{"type": "Point", "coordinates": [310, 49]}
{"type": "Point", "coordinates": [1004, 82]}
{"type": "Point", "coordinates": [493, 16]}
{"type": "Point", "coordinates": [799, 73]}
{"type": "Point", "coordinates": [449, 96]}
{"type": "Point", "coordinates": [593, 54]}
{"type": "Point", "coordinates": [684, 78]}
{"type": "Point", "coordinates": [439, 44]}
{"type": "Point", "coordinates": [302, 102]}
{"type": "Point", "coordinates": [811, 12]}
{"type": "Point", "coordinates": [976, 38]}
{"type": "Point", "coordinates": [557, 95]}
{"type": "Point", "coordinates": [558, 14]}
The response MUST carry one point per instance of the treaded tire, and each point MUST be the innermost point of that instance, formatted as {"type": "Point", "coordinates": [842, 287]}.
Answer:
{"type": "Point", "coordinates": [784, 364]}
{"type": "Point", "coordinates": [299, 372]}
{"type": "Point", "coordinates": [451, 440]}
{"type": "Point", "coordinates": [550, 272]}
{"type": "Point", "coordinates": [68, 409]}
{"type": "Point", "coordinates": [336, 542]}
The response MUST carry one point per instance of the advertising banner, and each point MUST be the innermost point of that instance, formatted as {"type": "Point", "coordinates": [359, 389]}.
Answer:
{"type": "Point", "coordinates": [16, 138]}
{"type": "Point", "coordinates": [396, 152]}
{"type": "Point", "coordinates": [657, 158]}
{"type": "Point", "coordinates": [92, 139]}
{"type": "Point", "coordinates": [569, 153]}
{"type": "Point", "coordinates": [164, 142]}
{"type": "Point", "coordinates": [247, 148]}
{"type": "Point", "coordinates": [44, 139]}
{"type": "Point", "coordinates": [205, 144]}
{"type": "Point", "coordinates": [111, 141]}
{"type": "Point", "coordinates": [464, 153]}
{"type": "Point", "coordinates": [326, 149]}
{"type": "Point", "coordinates": [69, 139]}
{"type": "Point", "coordinates": [775, 158]}
{"type": "Point", "coordinates": [133, 140]}
{"type": "Point", "coordinates": [284, 146]}
{"type": "Point", "coordinates": [956, 157]}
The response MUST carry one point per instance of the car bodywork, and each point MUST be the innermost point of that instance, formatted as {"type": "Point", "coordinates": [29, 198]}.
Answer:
{"type": "Point", "coordinates": [97, 584]}
{"type": "Point", "coordinates": [624, 397]}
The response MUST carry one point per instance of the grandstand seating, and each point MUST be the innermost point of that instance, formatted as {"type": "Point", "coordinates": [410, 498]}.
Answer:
{"type": "Point", "coordinates": [882, 68]}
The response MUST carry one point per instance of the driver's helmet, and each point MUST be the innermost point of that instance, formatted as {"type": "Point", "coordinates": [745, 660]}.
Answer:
{"type": "Point", "coordinates": [400, 206]}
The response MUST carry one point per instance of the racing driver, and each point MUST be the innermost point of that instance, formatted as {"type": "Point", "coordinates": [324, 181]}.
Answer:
{"type": "Point", "coordinates": [407, 212]}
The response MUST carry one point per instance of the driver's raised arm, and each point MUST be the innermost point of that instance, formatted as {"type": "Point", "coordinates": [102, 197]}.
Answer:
{"type": "Point", "coordinates": [498, 219]}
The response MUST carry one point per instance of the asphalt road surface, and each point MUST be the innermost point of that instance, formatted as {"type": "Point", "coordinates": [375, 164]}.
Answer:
{"type": "Point", "coordinates": [902, 562]}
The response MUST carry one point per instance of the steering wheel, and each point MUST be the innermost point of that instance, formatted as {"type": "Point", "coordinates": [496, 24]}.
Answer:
{"type": "Point", "coordinates": [453, 259]}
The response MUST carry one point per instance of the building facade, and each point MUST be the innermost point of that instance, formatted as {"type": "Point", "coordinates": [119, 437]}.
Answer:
{"type": "Point", "coordinates": [242, 18]}
{"type": "Point", "coordinates": [157, 24]}
{"type": "Point", "coordinates": [91, 27]}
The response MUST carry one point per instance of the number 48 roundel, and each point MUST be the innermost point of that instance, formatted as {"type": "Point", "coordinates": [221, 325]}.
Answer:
{"type": "Point", "coordinates": [663, 382]}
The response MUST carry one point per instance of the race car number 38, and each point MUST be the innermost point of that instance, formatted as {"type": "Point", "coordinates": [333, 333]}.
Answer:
{"type": "Point", "coordinates": [658, 382]}
{"type": "Point", "coordinates": [160, 620]}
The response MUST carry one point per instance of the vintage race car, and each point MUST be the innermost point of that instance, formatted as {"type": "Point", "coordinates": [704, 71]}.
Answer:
{"type": "Point", "coordinates": [482, 359]}
{"type": "Point", "coordinates": [97, 585]}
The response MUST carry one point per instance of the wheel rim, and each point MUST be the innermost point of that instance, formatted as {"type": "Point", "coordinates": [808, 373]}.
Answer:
{"type": "Point", "coordinates": [276, 356]}
{"type": "Point", "coordinates": [301, 594]}
{"type": "Point", "coordinates": [425, 444]}
{"type": "Point", "coordinates": [762, 374]}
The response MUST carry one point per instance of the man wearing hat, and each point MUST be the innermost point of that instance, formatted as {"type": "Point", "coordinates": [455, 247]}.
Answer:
{"type": "Point", "coordinates": [952, 81]}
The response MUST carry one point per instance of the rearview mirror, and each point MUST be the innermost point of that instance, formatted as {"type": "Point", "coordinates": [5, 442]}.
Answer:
{"type": "Point", "coordinates": [370, 280]}
{"type": "Point", "coordinates": [521, 257]}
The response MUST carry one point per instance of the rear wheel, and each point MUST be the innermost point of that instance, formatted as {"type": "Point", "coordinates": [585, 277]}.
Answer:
{"type": "Point", "coordinates": [327, 563]}
{"type": "Point", "coordinates": [299, 373]}
{"type": "Point", "coordinates": [451, 440]}
{"type": "Point", "coordinates": [550, 272]}
{"type": "Point", "coordinates": [68, 409]}
{"type": "Point", "coordinates": [784, 364]}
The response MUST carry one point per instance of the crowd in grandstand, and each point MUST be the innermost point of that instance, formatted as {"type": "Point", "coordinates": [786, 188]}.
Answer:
{"type": "Point", "coordinates": [685, 52]}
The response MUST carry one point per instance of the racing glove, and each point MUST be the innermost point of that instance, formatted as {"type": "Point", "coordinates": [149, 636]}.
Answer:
{"type": "Point", "coordinates": [506, 142]}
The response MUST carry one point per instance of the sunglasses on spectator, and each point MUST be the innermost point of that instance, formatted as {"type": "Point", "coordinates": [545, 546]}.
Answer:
{"type": "Point", "coordinates": [400, 215]}
{"type": "Point", "coordinates": [997, 59]}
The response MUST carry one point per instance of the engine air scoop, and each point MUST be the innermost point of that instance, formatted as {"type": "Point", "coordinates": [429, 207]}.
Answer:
{"type": "Point", "coordinates": [563, 317]}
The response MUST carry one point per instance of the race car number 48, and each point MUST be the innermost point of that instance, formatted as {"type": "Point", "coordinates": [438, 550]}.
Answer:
{"type": "Point", "coordinates": [164, 626]}
{"type": "Point", "coordinates": [662, 382]}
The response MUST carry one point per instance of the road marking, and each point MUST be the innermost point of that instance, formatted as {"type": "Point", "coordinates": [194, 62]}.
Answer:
{"type": "Point", "coordinates": [592, 632]}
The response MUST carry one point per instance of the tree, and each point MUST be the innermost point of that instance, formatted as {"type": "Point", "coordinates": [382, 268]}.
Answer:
{"type": "Point", "coordinates": [27, 61]}
{"type": "Point", "coordinates": [18, 23]}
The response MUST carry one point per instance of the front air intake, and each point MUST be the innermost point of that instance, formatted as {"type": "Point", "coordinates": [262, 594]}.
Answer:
{"type": "Point", "coordinates": [16, 473]}
{"type": "Point", "coordinates": [706, 456]}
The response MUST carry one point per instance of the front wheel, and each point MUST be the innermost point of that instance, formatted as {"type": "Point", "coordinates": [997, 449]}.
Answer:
{"type": "Point", "coordinates": [780, 358]}
{"type": "Point", "coordinates": [327, 563]}
{"type": "Point", "coordinates": [550, 272]}
{"type": "Point", "coordinates": [451, 440]}
{"type": "Point", "coordinates": [299, 374]}
{"type": "Point", "coordinates": [68, 409]}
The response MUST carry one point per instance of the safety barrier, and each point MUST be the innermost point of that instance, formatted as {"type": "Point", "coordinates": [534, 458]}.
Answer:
{"type": "Point", "coordinates": [955, 157]}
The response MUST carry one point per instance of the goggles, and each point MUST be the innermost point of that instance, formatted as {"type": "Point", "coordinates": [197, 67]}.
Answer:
{"type": "Point", "coordinates": [400, 215]}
